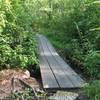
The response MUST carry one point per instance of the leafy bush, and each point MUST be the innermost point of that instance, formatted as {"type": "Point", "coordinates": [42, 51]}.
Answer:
{"type": "Point", "coordinates": [73, 25]}
{"type": "Point", "coordinates": [17, 40]}
{"type": "Point", "coordinates": [22, 56]}
{"type": "Point", "coordinates": [92, 63]}
{"type": "Point", "coordinates": [92, 90]}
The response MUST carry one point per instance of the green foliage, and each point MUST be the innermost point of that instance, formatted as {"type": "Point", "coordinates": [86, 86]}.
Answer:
{"type": "Point", "coordinates": [92, 63]}
{"type": "Point", "coordinates": [57, 42]}
{"type": "Point", "coordinates": [23, 55]}
{"type": "Point", "coordinates": [92, 90]}
{"type": "Point", "coordinates": [73, 25]}
{"type": "Point", "coordinates": [17, 40]}
{"type": "Point", "coordinates": [26, 94]}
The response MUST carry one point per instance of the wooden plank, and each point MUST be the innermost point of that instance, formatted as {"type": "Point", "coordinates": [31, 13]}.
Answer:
{"type": "Point", "coordinates": [77, 80]}
{"type": "Point", "coordinates": [60, 74]}
{"type": "Point", "coordinates": [48, 78]}
{"type": "Point", "coordinates": [74, 77]}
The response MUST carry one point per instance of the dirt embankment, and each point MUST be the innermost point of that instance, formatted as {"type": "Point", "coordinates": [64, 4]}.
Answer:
{"type": "Point", "coordinates": [6, 84]}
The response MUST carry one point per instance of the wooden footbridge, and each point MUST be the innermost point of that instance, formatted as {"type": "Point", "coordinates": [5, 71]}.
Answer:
{"type": "Point", "coordinates": [55, 72]}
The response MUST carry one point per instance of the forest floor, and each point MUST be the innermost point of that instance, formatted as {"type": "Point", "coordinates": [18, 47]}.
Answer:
{"type": "Point", "coordinates": [6, 82]}
{"type": "Point", "coordinates": [6, 85]}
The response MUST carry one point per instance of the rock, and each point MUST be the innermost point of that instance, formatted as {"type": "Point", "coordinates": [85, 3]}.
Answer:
{"type": "Point", "coordinates": [61, 95]}
{"type": "Point", "coordinates": [26, 74]}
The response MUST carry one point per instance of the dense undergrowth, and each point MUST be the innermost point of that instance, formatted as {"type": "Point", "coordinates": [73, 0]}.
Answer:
{"type": "Point", "coordinates": [73, 26]}
{"type": "Point", "coordinates": [17, 39]}
{"type": "Point", "coordinates": [92, 90]}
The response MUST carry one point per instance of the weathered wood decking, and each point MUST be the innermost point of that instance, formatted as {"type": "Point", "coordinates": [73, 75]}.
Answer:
{"type": "Point", "coordinates": [55, 73]}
